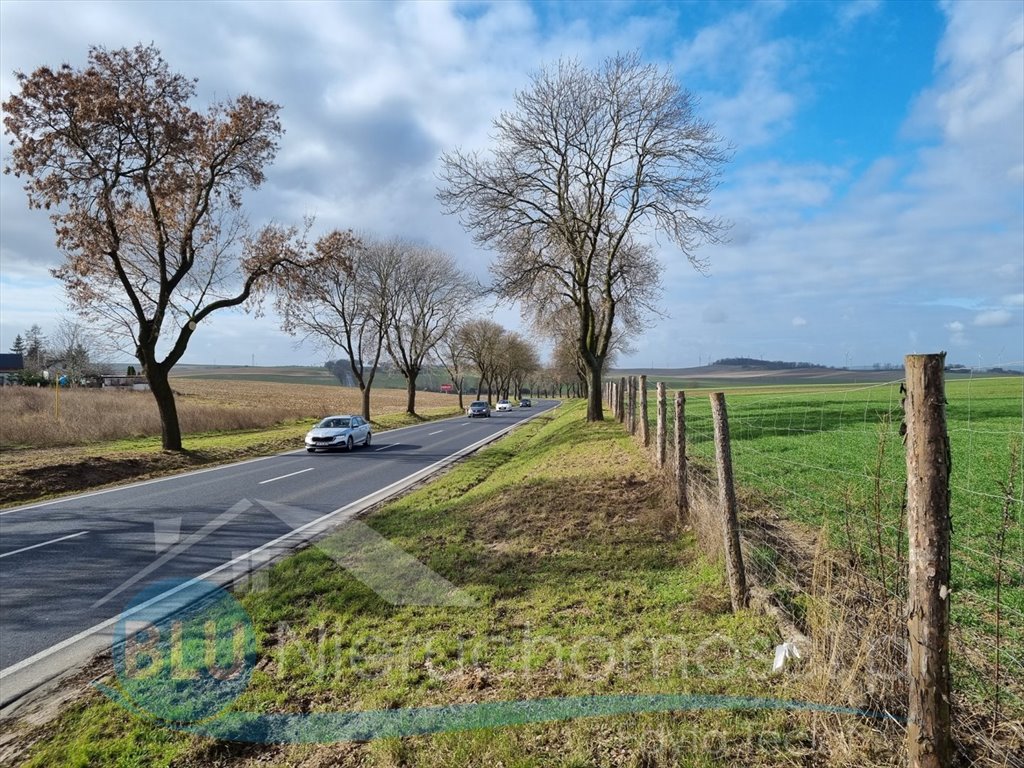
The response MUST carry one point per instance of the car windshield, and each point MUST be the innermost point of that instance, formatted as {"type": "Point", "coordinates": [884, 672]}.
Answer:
{"type": "Point", "coordinates": [333, 424]}
{"type": "Point", "coordinates": [478, 404]}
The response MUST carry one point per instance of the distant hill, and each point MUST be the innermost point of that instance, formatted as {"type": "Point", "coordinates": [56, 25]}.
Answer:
{"type": "Point", "coordinates": [733, 371]}
{"type": "Point", "coordinates": [769, 365]}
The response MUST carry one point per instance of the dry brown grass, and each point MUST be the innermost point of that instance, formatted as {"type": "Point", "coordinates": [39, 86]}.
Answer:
{"type": "Point", "coordinates": [28, 417]}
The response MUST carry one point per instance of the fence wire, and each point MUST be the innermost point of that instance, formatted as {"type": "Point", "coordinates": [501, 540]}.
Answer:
{"type": "Point", "coordinates": [821, 482]}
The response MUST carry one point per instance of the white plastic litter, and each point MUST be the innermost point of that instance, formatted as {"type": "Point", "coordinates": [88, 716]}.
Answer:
{"type": "Point", "coordinates": [784, 653]}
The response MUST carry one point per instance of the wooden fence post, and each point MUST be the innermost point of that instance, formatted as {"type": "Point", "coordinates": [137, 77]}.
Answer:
{"type": "Point", "coordinates": [620, 404]}
{"type": "Point", "coordinates": [660, 434]}
{"type": "Point", "coordinates": [727, 504]}
{"type": "Point", "coordinates": [631, 411]}
{"type": "Point", "coordinates": [629, 402]}
{"type": "Point", "coordinates": [645, 425]}
{"type": "Point", "coordinates": [682, 499]}
{"type": "Point", "coordinates": [929, 738]}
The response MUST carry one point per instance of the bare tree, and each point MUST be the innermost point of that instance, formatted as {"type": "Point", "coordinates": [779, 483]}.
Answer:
{"type": "Point", "coordinates": [72, 349]}
{"type": "Point", "coordinates": [146, 199]}
{"type": "Point", "coordinates": [346, 299]}
{"type": "Point", "coordinates": [431, 298]}
{"type": "Point", "coordinates": [567, 365]}
{"type": "Point", "coordinates": [589, 161]}
{"type": "Point", "coordinates": [515, 359]}
{"type": "Point", "coordinates": [560, 326]}
{"type": "Point", "coordinates": [451, 352]}
{"type": "Point", "coordinates": [482, 339]}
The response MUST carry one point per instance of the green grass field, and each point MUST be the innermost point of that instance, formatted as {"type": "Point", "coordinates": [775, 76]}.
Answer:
{"type": "Point", "coordinates": [832, 457]}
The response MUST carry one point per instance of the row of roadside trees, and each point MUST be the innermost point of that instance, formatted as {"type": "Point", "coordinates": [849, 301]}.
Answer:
{"type": "Point", "coordinates": [373, 298]}
{"type": "Point", "coordinates": [145, 194]}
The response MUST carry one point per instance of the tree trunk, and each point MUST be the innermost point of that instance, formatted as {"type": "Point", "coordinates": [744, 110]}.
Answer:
{"type": "Point", "coordinates": [170, 430]}
{"type": "Point", "coordinates": [365, 392]}
{"type": "Point", "coordinates": [595, 411]}
{"type": "Point", "coordinates": [410, 395]}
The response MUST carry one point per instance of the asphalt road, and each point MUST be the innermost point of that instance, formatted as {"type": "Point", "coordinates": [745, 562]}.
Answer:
{"type": "Point", "coordinates": [69, 567]}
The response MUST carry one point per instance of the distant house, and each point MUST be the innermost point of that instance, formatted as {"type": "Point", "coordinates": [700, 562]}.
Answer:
{"type": "Point", "coordinates": [10, 366]}
{"type": "Point", "coordinates": [136, 383]}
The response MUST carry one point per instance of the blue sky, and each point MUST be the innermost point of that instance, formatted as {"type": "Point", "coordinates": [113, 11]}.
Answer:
{"type": "Point", "coordinates": [876, 191]}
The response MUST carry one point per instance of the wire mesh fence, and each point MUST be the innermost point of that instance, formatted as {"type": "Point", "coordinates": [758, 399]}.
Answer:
{"type": "Point", "coordinates": [821, 484]}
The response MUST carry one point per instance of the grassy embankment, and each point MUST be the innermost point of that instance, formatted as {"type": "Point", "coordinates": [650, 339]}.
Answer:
{"type": "Point", "coordinates": [564, 535]}
{"type": "Point", "coordinates": [89, 438]}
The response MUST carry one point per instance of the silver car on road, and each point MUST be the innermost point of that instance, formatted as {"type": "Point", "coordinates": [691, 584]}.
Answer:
{"type": "Point", "coordinates": [339, 432]}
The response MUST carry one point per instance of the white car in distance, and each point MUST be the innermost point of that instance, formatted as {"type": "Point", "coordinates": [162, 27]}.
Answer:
{"type": "Point", "coordinates": [504, 405]}
{"type": "Point", "coordinates": [338, 432]}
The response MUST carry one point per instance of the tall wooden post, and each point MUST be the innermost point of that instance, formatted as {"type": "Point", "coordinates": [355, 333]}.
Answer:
{"type": "Point", "coordinates": [645, 424]}
{"type": "Point", "coordinates": [929, 739]}
{"type": "Point", "coordinates": [727, 504]}
{"type": "Point", "coordinates": [682, 500]}
{"type": "Point", "coordinates": [631, 411]}
{"type": "Point", "coordinates": [620, 404]}
{"type": "Point", "coordinates": [660, 434]}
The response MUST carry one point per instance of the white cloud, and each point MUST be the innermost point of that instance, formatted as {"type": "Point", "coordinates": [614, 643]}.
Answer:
{"type": "Point", "coordinates": [799, 322]}
{"type": "Point", "coordinates": [984, 59]}
{"type": "Point", "coordinates": [760, 103]}
{"type": "Point", "coordinates": [1014, 300]}
{"type": "Point", "coordinates": [852, 12]}
{"type": "Point", "coordinates": [957, 337]}
{"type": "Point", "coordinates": [993, 318]}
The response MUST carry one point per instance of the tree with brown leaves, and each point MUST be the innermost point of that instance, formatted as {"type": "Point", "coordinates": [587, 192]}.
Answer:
{"type": "Point", "coordinates": [145, 194]}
